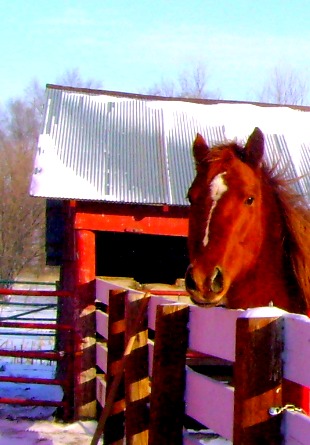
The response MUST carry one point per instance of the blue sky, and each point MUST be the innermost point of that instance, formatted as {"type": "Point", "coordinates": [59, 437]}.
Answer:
{"type": "Point", "coordinates": [129, 45]}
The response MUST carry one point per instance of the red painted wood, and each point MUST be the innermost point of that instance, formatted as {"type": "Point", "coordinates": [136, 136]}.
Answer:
{"type": "Point", "coordinates": [28, 402]}
{"type": "Point", "coordinates": [152, 220]}
{"type": "Point", "coordinates": [128, 223]}
{"type": "Point", "coordinates": [84, 321]}
{"type": "Point", "coordinates": [295, 394]}
{"type": "Point", "coordinates": [43, 355]}
{"type": "Point", "coordinates": [35, 293]}
{"type": "Point", "coordinates": [44, 326]}
{"type": "Point", "coordinates": [36, 380]}
{"type": "Point", "coordinates": [85, 260]}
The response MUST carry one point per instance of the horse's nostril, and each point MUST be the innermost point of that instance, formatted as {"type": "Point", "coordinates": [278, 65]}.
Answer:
{"type": "Point", "coordinates": [217, 281]}
{"type": "Point", "coordinates": [189, 279]}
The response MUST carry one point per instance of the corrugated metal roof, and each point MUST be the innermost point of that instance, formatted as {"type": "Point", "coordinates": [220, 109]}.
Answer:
{"type": "Point", "coordinates": [97, 146]}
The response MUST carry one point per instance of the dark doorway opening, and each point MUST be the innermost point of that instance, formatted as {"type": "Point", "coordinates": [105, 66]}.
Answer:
{"type": "Point", "coordinates": [146, 258]}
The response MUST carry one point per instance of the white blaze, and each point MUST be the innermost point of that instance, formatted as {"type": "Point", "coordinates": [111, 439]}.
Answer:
{"type": "Point", "coordinates": [217, 188]}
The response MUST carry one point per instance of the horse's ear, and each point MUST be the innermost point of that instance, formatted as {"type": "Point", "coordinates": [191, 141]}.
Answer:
{"type": "Point", "coordinates": [254, 148]}
{"type": "Point", "coordinates": [200, 149]}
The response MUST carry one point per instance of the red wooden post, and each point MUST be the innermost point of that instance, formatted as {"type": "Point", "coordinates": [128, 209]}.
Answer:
{"type": "Point", "coordinates": [168, 377]}
{"type": "Point", "coordinates": [258, 381]}
{"type": "Point", "coordinates": [295, 394]}
{"type": "Point", "coordinates": [78, 277]}
{"type": "Point", "coordinates": [85, 265]}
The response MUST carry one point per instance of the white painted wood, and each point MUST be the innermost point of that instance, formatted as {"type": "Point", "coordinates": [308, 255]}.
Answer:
{"type": "Point", "coordinates": [297, 349]}
{"type": "Point", "coordinates": [263, 312]}
{"type": "Point", "coordinates": [296, 428]}
{"type": "Point", "coordinates": [191, 439]}
{"type": "Point", "coordinates": [155, 300]}
{"type": "Point", "coordinates": [101, 356]}
{"type": "Point", "coordinates": [102, 290]}
{"type": "Point", "coordinates": [101, 389]}
{"type": "Point", "coordinates": [212, 331]}
{"type": "Point", "coordinates": [102, 320]}
{"type": "Point", "coordinates": [210, 402]}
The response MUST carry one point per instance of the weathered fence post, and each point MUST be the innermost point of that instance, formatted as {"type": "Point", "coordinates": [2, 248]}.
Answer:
{"type": "Point", "coordinates": [114, 427]}
{"type": "Point", "coordinates": [258, 377]}
{"type": "Point", "coordinates": [168, 376]}
{"type": "Point", "coordinates": [137, 387]}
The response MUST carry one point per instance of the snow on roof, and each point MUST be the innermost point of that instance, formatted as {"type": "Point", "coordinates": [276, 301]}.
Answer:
{"type": "Point", "coordinates": [98, 145]}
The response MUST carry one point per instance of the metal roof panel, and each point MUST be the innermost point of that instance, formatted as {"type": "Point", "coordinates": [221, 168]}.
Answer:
{"type": "Point", "coordinates": [137, 150]}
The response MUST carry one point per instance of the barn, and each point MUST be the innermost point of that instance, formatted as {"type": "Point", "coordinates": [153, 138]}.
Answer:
{"type": "Point", "coordinates": [115, 169]}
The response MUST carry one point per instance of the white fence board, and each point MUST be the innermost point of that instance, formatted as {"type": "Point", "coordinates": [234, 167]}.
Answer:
{"type": "Point", "coordinates": [297, 349]}
{"type": "Point", "coordinates": [102, 320]}
{"type": "Point", "coordinates": [297, 428]}
{"type": "Point", "coordinates": [190, 440]}
{"type": "Point", "coordinates": [104, 286]}
{"type": "Point", "coordinates": [213, 330]}
{"type": "Point", "coordinates": [210, 403]}
{"type": "Point", "coordinates": [155, 300]}
{"type": "Point", "coordinates": [102, 290]}
{"type": "Point", "coordinates": [101, 356]}
{"type": "Point", "coordinates": [200, 439]}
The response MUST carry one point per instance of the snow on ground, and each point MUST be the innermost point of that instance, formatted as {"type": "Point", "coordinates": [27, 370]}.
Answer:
{"type": "Point", "coordinates": [35, 425]}
{"type": "Point", "coordinates": [26, 390]}
{"type": "Point", "coordinates": [44, 432]}
{"type": "Point", "coordinates": [31, 425]}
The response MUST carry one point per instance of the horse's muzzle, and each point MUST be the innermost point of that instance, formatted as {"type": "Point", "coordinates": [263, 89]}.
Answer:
{"type": "Point", "coordinates": [211, 292]}
{"type": "Point", "coordinates": [217, 281]}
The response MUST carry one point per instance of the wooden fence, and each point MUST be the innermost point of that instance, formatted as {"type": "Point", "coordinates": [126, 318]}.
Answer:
{"type": "Point", "coordinates": [243, 374]}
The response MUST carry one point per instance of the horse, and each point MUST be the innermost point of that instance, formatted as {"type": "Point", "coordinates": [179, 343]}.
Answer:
{"type": "Point", "coordinates": [249, 232]}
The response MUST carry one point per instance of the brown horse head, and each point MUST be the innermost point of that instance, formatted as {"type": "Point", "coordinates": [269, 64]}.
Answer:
{"type": "Point", "coordinates": [237, 229]}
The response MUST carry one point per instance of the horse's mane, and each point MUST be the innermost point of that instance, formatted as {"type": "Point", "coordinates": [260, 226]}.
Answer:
{"type": "Point", "coordinates": [296, 217]}
{"type": "Point", "coordinates": [296, 214]}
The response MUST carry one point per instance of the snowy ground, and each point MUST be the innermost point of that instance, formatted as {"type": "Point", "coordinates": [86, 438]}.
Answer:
{"type": "Point", "coordinates": [36, 425]}
{"type": "Point", "coordinates": [32, 425]}
{"type": "Point", "coordinates": [45, 432]}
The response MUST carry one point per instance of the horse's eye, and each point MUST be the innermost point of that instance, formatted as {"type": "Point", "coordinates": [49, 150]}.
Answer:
{"type": "Point", "coordinates": [249, 201]}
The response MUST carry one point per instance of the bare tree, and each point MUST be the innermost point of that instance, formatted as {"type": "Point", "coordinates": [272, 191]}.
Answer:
{"type": "Point", "coordinates": [21, 217]}
{"type": "Point", "coordinates": [73, 78]}
{"type": "Point", "coordinates": [285, 86]}
{"type": "Point", "coordinates": [191, 83]}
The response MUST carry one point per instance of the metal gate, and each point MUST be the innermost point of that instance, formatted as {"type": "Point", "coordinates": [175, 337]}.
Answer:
{"type": "Point", "coordinates": [33, 314]}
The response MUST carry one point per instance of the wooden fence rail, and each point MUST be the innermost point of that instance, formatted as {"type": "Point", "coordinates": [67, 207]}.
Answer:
{"type": "Point", "coordinates": [243, 374]}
